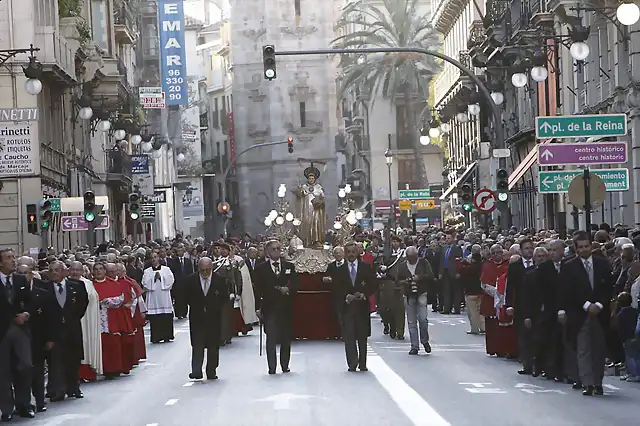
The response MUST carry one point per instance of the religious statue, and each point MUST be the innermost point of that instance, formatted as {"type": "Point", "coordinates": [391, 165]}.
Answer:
{"type": "Point", "coordinates": [311, 209]}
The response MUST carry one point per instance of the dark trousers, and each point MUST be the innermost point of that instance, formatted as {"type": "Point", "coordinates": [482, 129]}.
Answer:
{"type": "Point", "coordinates": [226, 322]}
{"type": "Point", "coordinates": [64, 365]}
{"type": "Point", "coordinates": [337, 309]}
{"type": "Point", "coordinates": [570, 356]}
{"type": "Point", "coordinates": [37, 379]}
{"type": "Point", "coordinates": [452, 295]}
{"type": "Point", "coordinates": [161, 326]}
{"type": "Point", "coordinates": [278, 330]}
{"type": "Point", "coordinates": [433, 295]}
{"type": "Point", "coordinates": [199, 344]}
{"type": "Point", "coordinates": [180, 307]}
{"type": "Point", "coordinates": [355, 337]}
{"type": "Point", "coordinates": [397, 316]}
{"type": "Point", "coordinates": [549, 348]}
{"type": "Point", "coordinates": [526, 343]}
{"type": "Point", "coordinates": [591, 352]}
{"type": "Point", "coordinates": [15, 369]}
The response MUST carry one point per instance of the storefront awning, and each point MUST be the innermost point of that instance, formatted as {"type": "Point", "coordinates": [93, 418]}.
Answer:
{"type": "Point", "coordinates": [526, 164]}
{"type": "Point", "coordinates": [462, 178]}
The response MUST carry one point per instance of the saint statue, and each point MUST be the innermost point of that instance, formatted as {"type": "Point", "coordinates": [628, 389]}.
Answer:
{"type": "Point", "coordinates": [311, 210]}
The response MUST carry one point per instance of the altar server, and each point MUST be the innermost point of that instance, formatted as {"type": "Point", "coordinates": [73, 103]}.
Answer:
{"type": "Point", "coordinates": [158, 280]}
{"type": "Point", "coordinates": [245, 302]}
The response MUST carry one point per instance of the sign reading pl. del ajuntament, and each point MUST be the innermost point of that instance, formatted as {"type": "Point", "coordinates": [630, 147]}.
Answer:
{"type": "Point", "coordinates": [18, 148]}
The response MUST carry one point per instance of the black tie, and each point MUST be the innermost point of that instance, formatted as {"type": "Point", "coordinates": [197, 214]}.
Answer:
{"type": "Point", "coordinates": [276, 267]}
{"type": "Point", "coordinates": [60, 289]}
{"type": "Point", "coordinates": [7, 285]}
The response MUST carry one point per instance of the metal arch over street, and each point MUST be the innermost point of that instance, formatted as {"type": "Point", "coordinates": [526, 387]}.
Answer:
{"type": "Point", "coordinates": [500, 141]}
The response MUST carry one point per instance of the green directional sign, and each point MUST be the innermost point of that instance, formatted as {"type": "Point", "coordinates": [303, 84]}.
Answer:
{"type": "Point", "coordinates": [414, 194]}
{"type": "Point", "coordinates": [581, 126]}
{"type": "Point", "coordinates": [557, 181]}
{"type": "Point", "coordinates": [55, 205]}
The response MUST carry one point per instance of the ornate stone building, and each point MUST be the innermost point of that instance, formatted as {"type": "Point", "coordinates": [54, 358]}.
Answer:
{"type": "Point", "coordinates": [300, 103]}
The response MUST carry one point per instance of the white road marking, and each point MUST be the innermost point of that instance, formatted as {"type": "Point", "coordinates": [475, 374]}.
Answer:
{"type": "Point", "coordinates": [152, 424]}
{"type": "Point", "coordinates": [188, 384]}
{"type": "Point", "coordinates": [417, 410]}
{"type": "Point", "coordinates": [610, 387]}
{"type": "Point", "coordinates": [481, 388]}
{"type": "Point", "coordinates": [59, 420]}
{"type": "Point", "coordinates": [171, 402]}
{"type": "Point", "coordinates": [282, 401]}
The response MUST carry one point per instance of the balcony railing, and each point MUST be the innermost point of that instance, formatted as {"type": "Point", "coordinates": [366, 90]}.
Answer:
{"type": "Point", "coordinates": [55, 54]}
{"type": "Point", "coordinates": [118, 163]}
{"type": "Point", "coordinates": [125, 25]}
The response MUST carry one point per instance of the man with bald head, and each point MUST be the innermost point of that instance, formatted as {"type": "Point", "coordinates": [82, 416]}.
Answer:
{"type": "Point", "coordinates": [206, 294]}
{"type": "Point", "coordinates": [67, 309]}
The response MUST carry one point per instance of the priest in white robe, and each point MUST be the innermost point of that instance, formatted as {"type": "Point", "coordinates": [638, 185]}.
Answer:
{"type": "Point", "coordinates": [91, 365]}
{"type": "Point", "coordinates": [158, 281]}
{"type": "Point", "coordinates": [246, 301]}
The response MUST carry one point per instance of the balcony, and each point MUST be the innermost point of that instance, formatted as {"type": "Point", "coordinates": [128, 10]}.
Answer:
{"type": "Point", "coordinates": [118, 167]}
{"type": "Point", "coordinates": [149, 8]}
{"type": "Point", "coordinates": [56, 55]}
{"type": "Point", "coordinates": [125, 25]}
{"type": "Point", "coordinates": [112, 82]}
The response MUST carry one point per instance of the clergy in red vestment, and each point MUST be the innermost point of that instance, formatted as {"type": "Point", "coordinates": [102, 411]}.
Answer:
{"type": "Point", "coordinates": [115, 321]}
{"type": "Point", "coordinates": [500, 337]}
{"type": "Point", "coordinates": [128, 339]}
{"type": "Point", "coordinates": [138, 312]}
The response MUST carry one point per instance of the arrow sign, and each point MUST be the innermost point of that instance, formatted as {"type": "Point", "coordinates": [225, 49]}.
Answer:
{"type": "Point", "coordinates": [485, 200]}
{"type": "Point", "coordinates": [558, 181]}
{"type": "Point", "coordinates": [581, 126]}
{"type": "Point", "coordinates": [77, 223]}
{"type": "Point", "coordinates": [282, 401]}
{"type": "Point", "coordinates": [562, 154]}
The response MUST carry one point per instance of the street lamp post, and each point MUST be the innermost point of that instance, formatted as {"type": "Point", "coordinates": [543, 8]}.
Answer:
{"type": "Point", "coordinates": [414, 217]}
{"type": "Point", "coordinates": [33, 71]}
{"type": "Point", "coordinates": [388, 157]}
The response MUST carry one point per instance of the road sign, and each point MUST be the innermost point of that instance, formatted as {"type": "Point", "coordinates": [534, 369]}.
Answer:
{"type": "Point", "coordinates": [151, 97]}
{"type": "Point", "coordinates": [77, 223]}
{"type": "Point", "coordinates": [485, 200]}
{"type": "Point", "coordinates": [597, 191]}
{"type": "Point", "coordinates": [421, 204]}
{"type": "Point", "coordinates": [76, 204]}
{"type": "Point", "coordinates": [557, 181]}
{"type": "Point", "coordinates": [559, 154]}
{"type": "Point", "coordinates": [501, 153]}
{"type": "Point", "coordinates": [581, 126]}
{"type": "Point", "coordinates": [414, 194]}
{"type": "Point", "coordinates": [147, 211]}
{"type": "Point", "coordinates": [55, 205]}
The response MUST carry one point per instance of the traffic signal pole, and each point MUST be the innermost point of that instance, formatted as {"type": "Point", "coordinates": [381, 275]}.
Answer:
{"type": "Point", "coordinates": [225, 173]}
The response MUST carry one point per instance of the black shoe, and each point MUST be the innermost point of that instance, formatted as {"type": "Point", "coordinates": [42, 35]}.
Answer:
{"type": "Point", "coordinates": [535, 373]}
{"type": "Point", "coordinates": [195, 376]}
{"type": "Point", "coordinates": [413, 352]}
{"type": "Point", "coordinates": [558, 379]}
{"type": "Point", "coordinates": [400, 337]}
{"type": "Point", "coordinates": [588, 391]}
{"type": "Point", "coordinates": [41, 408]}
{"type": "Point", "coordinates": [76, 394]}
{"type": "Point", "coordinates": [212, 376]}
{"type": "Point", "coordinates": [597, 390]}
{"type": "Point", "coordinates": [386, 329]}
{"type": "Point", "coordinates": [363, 368]}
{"type": "Point", "coordinates": [392, 334]}
{"type": "Point", "coordinates": [286, 370]}
{"type": "Point", "coordinates": [6, 418]}
{"type": "Point", "coordinates": [351, 369]}
{"type": "Point", "coordinates": [577, 386]}
{"type": "Point", "coordinates": [524, 371]}
{"type": "Point", "coordinates": [27, 413]}
{"type": "Point", "coordinates": [272, 371]}
{"type": "Point", "coordinates": [57, 398]}
{"type": "Point", "coordinates": [427, 348]}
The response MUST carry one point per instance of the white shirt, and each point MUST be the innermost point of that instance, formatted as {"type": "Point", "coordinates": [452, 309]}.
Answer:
{"type": "Point", "coordinates": [61, 295]}
{"type": "Point", "coordinates": [527, 263]}
{"type": "Point", "coordinates": [339, 263]}
{"type": "Point", "coordinates": [353, 265]}
{"type": "Point", "coordinates": [273, 268]}
{"type": "Point", "coordinates": [412, 268]}
{"type": "Point", "coordinates": [205, 283]}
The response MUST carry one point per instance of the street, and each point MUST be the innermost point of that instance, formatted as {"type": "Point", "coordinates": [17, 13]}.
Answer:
{"type": "Point", "coordinates": [457, 385]}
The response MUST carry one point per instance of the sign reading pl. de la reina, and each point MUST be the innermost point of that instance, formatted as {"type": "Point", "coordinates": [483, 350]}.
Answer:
{"type": "Point", "coordinates": [18, 148]}
{"type": "Point", "coordinates": [581, 126]}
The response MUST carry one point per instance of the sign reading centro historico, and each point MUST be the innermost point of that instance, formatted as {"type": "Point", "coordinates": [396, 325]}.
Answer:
{"type": "Point", "coordinates": [172, 52]}
{"type": "Point", "coordinates": [18, 147]}
{"type": "Point", "coordinates": [581, 126]}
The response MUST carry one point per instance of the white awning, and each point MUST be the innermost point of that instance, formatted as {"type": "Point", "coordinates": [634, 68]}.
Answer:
{"type": "Point", "coordinates": [462, 178]}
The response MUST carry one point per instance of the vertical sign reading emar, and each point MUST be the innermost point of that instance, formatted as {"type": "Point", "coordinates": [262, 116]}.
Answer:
{"type": "Point", "coordinates": [172, 52]}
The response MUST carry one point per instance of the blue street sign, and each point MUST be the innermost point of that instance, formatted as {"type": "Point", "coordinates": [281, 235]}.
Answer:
{"type": "Point", "coordinates": [172, 52]}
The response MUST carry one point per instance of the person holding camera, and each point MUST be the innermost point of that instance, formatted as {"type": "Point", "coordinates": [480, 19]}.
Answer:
{"type": "Point", "coordinates": [415, 275]}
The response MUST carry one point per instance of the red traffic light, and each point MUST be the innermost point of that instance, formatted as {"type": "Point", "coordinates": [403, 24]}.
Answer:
{"type": "Point", "coordinates": [290, 140]}
{"type": "Point", "coordinates": [31, 218]}
{"type": "Point", "coordinates": [223, 207]}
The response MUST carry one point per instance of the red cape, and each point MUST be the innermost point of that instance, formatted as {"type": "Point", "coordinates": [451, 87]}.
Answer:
{"type": "Point", "coordinates": [120, 320]}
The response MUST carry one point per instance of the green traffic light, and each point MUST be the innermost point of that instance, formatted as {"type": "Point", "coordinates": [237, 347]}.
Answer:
{"type": "Point", "coordinates": [89, 216]}
{"type": "Point", "coordinates": [467, 207]}
{"type": "Point", "coordinates": [134, 215]}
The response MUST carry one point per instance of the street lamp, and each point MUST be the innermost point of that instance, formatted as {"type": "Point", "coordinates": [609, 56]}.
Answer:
{"type": "Point", "coordinates": [628, 13]}
{"type": "Point", "coordinates": [434, 130]}
{"type": "Point", "coordinates": [519, 77]}
{"type": "Point", "coordinates": [579, 48]}
{"type": "Point", "coordinates": [474, 103]}
{"type": "Point", "coordinates": [180, 157]}
{"type": "Point", "coordinates": [539, 71]}
{"type": "Point", "coordinates": [388, 158]}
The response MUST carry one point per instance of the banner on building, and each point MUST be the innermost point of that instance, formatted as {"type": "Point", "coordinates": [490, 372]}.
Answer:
{"type": "Point", "coordinates": [140, 164]}
{"type": "Point", "coordinates": [158, 197]}
{"type": "Point", "coordinates": [18, 148]}
{"type": "Point", "coordinates": [141, 174]}
{"type": "Point", "coordinates": [152, 97]}
{"type": "Point", "coordinates": [232, 143]}
{"type": "Point", "coordinates": [172, 52]}
{"type": "Point", "coordinates": [188, 135]}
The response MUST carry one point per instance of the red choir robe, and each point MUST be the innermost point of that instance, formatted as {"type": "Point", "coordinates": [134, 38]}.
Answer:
{"type": "Point", "coordinates": [139, 321]}
{"type": "Point", "coordinates": [500, 336]}
{"type": "Point", "coordinates": [128, 339]}
{"type": "Point", "coordinates": [116, 323]}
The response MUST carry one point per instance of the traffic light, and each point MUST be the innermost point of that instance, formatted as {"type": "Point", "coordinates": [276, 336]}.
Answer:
{"type": "Point", "coordinates": [45, 214]}
{"type": "Point", "coordinates": [290, 145]}
{"type": "Point", "coordinates": [466, 196]}
{"type": "Point", "coordinates": [134, 206]}
{"type": "Point", "coordinates": [269, 61]}
{"type": "Point", "coordinates": [32, 218]}
{"type": "Point", "coordinates": [89, 206]}
{"type": "Point", "coordinates": [502, 185]}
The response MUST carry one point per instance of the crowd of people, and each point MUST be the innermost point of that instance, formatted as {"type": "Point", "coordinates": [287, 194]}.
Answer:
{"type": "Point", "coordinates": [565, 308]}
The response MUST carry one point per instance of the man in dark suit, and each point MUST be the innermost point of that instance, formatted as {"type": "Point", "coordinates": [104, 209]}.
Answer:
{"type": "Point", "coordinates": [252, 261]}
{"type": "Point", "coordinates": [433, 255]}
{"type": "Point", "coordinates": [331, 276]}
{"type": "Point", "coordinates": [355, 283]}
{"type": "Point", "coordinates": [205, 294]}
{"type": "Point", "coordinates": [449, 276]}
{"type": "Point", "coordinates": [15, 342]}
{"type": "Point", "coordinates": [40, 326]}
{"type": "Point", "coordinates": [68, 306]}
{"type": "Point", "coordinates": [587, 289]}
{"type": "Point", "coordinates": [516, 301]}
{"type": "Point", "coordinates": [182, 267]}
{"type": "Point", "coordinates": [274, 295]}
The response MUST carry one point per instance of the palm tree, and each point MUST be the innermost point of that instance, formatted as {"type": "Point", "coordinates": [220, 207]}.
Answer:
{"type": "Point", "coordinates": [406, 76]}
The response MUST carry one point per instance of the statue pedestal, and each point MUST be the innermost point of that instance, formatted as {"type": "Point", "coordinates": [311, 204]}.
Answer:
{"type": "Point", "coordinates": [314, 314]}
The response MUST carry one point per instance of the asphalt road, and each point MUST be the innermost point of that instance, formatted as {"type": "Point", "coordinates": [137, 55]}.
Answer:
{"type": "Point", "coordinates": [456, 385]}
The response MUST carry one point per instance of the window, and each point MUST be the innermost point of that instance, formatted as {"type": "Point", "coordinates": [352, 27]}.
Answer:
{"type": "Point", "coordinates": [201, 40]}
{"type": "Point", "coordinates": [403, 134]}
{"type": "Point", "coordinates": [216, 114]}
{"type": "Point", "coordinates": [100, 24]}
{"type": "Point", "coordinates": [296, 7]}
{"type": "Point", "coordinates": [406, 172]}
{"type": "Point", "coordinates": [303, 114]}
